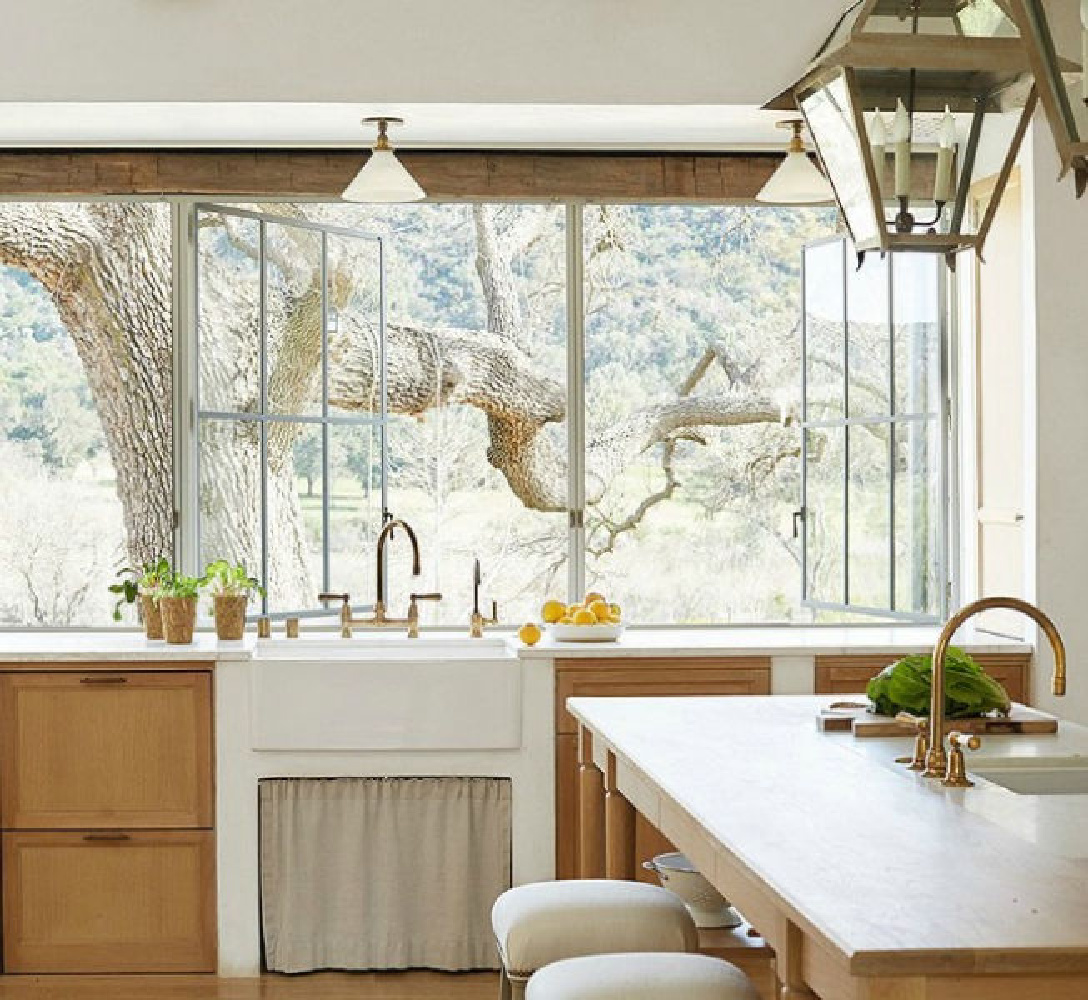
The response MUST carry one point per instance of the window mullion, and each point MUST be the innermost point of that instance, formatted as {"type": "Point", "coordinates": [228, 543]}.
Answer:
{"type": "Point", "coordinates": [576, 398]}
{"type": "Point", "coordinates": [263, 427]}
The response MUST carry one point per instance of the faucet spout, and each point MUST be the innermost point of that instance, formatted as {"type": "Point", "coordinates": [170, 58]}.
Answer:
{"type": "Point", "coordinates": [936, 758]}
{"type": "Point", "coordinates": [383, 537]}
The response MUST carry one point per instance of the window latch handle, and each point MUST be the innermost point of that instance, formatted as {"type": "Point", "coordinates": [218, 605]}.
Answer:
{"type": "Point", "coordinates": [798, 517]}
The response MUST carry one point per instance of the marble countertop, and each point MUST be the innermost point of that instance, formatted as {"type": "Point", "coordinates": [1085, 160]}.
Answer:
{"type": "Point", "coordinates": [119, 645]}
{"type": "Point", "coordinates": [896, 870]}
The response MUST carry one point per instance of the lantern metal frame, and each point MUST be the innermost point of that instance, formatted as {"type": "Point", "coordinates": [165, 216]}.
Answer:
{"type": "Point", "coordinates": [978, 74]}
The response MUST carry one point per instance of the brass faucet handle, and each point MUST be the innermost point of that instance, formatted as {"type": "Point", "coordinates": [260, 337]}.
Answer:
{"type": "Point", "coordinates": [917, 761]}
{"type": "Point", "coordinates": [413, 611]}
{"type": "Point", "coordinates": [343, 598]}
{"type": "Point", "coordinates": [956, 775]}
{"type": "Point", "coordinates": [425, 597]}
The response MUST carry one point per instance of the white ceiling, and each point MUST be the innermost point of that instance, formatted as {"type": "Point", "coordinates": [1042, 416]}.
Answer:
{"type": "Point", "coordinates": [449, 126]}
{"type": "Point", "coordinates": [548, 73]}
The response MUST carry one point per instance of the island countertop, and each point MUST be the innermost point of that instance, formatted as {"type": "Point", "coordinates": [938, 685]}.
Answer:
{"type": "Point", "coordinates": [851, 865]}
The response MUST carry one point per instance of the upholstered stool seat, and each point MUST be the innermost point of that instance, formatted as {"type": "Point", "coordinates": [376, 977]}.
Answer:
{"type": "Point", "coordinates": [644, 976]}
{"type": "Point", "coordinates": [545, 922]}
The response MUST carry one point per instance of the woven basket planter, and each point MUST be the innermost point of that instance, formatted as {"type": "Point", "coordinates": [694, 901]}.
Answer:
{"type": "Point", "coordinates": [178, 619]}
{"type": "Point", "coordinates": [152, 616]}
{"type": "Point", "coordinates": [230, 615]}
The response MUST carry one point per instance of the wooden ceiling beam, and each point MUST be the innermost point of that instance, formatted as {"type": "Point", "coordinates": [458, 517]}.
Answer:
{"type": "Point", "coordinates": [479, 176]}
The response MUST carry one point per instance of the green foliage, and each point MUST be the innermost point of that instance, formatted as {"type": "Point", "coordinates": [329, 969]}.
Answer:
{"type": "Point", "coordinates": [134, 582]}
{"type": "Point", "coordinates": [906, 685]}
{"type": "Point", "coordinates": [224, 579]}
{"type": "Point", "coordinates": [180, 585]}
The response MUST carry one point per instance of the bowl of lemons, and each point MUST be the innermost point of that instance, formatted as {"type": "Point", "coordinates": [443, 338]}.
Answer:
{"type": "Point", "coordinates": [595, 619]}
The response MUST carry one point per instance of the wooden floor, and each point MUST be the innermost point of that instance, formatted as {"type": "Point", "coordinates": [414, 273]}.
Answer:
{"type": "Point", "coordinates": [318, 986]}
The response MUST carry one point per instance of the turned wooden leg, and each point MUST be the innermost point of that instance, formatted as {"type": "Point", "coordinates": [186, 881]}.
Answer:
{"type": "Point", "coordinates": [591, 862]}
{"type": "Point", "coordinates": [619, 823]}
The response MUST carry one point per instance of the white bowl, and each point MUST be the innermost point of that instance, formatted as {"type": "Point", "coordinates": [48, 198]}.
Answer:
{"type": "Point", "coordinates": [707, 906]}
{"type": "Point", "coordinates": [585, 633]}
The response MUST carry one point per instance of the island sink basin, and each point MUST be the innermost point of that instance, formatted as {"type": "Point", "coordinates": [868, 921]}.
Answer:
{"type": "Point", "coordinates": [1035, 775]}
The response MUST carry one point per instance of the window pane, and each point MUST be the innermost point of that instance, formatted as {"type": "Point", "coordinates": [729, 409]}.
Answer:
{"type": "Point", "coordinates": [825, 522]}
{"type": "Point", "coordinates": [916, 325]}
{"type": "Point", "coordinates": [869, 333]}
{"type": "Point", "coordinates": [354, 321]}
{"type": "Point", "coordinates": [86, 377]}
{"type": "Point", "coordinates": [825, 318]}
{"type": "Point", "coordinates": [355, 509]}
{"type": "Point", "coordinates": [918, 570]}
{"type": "Point", "coordinates": [691, 340]}
{"type": "Point", "coordinates": [870, 516]}
{"type": "Point", "coordinates": [230, 492]}
{"type": "Point", "coordinates": [228, 283]}
{"type": "Point", "coordinates": [293, 319]}
{"type": "Point", "coordinates": [295, 557]}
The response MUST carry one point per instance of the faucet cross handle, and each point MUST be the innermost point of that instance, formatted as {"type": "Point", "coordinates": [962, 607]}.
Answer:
{"type": "Point", "coordinates": [917, 762]}
{"type": "Point", "coordinates": [956, 775]}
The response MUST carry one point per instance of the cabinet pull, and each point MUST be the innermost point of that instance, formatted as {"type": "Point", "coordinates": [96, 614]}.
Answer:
{"type": "Point", "coordinates": [106, 836]}
{"type": "Point", "coordinates": [107, 679]}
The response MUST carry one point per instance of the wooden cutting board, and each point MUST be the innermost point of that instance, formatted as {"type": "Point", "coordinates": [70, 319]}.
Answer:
{"type": "Point", "coordinates": [1022, 720]}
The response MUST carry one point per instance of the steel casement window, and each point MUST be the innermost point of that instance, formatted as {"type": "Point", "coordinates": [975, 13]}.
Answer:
{"type": "Point", "coordinates": [874, 514]}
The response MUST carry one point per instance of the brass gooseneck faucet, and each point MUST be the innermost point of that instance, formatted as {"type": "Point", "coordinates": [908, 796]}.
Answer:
{"type": "Point", "coordinates": [936, 759]}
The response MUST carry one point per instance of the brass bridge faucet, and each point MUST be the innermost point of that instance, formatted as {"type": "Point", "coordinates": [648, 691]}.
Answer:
{"type": "Point", "coordinates": [936, 760]}
{"type": "Point", "coordinates": [380, 619]}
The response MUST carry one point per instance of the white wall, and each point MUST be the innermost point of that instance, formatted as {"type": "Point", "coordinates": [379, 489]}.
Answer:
{"type": "Point", "coordinates": [1058, 288]}
{"type": "Point", "coordinates": [379, 51]}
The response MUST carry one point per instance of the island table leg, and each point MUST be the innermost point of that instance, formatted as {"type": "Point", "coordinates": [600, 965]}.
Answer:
{"type": "Point", "coordinates": [591, 854]}
{"type": "Point", "coordinates": [619, 821]}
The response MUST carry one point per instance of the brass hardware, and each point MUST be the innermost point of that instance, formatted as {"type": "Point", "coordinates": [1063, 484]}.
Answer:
{"type": "Point", "coordinates": [413, 611]}
{"type": "Point", "coordinates": [106, 836]}
{"type": "Point", "coordinates": [291, 626]}
{"type": "Point", "coordinates": [956, 774]}
{"type": "Point", "coordinates": [264, 627]}
{"type": "Point", "coordinates": [107, 679]}
{"type": "Point", "coordinates": [380, 619]}
{"type": "Point", "coordinates": [917, 762]}
{"type": "Point", "coordinates": [477, 621]}
{"type": "Point", "coordinates": [936, 759]}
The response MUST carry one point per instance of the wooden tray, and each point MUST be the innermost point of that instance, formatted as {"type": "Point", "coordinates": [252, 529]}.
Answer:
{"type": "Point", "coordinates": [863, 723]}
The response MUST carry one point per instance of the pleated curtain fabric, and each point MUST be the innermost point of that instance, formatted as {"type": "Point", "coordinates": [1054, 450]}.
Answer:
{"type": "Point", "coordinates": [382, 873]}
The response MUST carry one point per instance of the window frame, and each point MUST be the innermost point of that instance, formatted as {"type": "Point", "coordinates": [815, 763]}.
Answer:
{"type": "Point", "coordinates": [941, 422]}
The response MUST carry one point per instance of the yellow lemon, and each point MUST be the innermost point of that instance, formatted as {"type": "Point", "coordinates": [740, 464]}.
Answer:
{"type": "Point", "coordinates": [615, 610]}
{"type": "Point", "coordinates": [553, 611]}
{"type": "Point", "coordinates": [600, 610]}
{"type": "Point", "coordinates": [592, 596]}
{"type": "Point", "coordinates": [572, 608]}
{"type": "Point", "coordinates": [614, 619]}
{"type": "Point", "coordinates": [565, 620]}
{"type": "Point", "coordinates": [584, 617]}
{"type": "Point", "coordinates": [530, 633]}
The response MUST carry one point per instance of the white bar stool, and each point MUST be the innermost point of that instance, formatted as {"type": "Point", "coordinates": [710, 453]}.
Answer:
{"type": "Point", "coordinates": [544, 922]}
{"type": "Point", "coordinates": [643, 976]}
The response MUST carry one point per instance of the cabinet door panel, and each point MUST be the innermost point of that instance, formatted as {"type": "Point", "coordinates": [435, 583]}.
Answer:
{"type": "Point", "coordinates": [104, 749]}
{"type": "Point", "coordinates": [109, 902]}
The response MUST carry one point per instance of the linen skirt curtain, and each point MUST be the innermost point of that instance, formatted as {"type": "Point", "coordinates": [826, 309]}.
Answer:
{"type": "Point", "coordinates": [382, 873]}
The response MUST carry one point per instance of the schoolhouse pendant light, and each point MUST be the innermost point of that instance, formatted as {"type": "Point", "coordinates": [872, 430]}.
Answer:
{"type": "Point", "coordinates": [797, 181]}
{"type": "Point", "coordinates": [383, 178]}
{"type": "Point", "coordinates": [909, 103]}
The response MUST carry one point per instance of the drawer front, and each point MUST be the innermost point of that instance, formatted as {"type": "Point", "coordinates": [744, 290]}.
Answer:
{"type": "Point", "coordinates": [850, 674]}
{"type": "Point", "coordinates": [105, 749]}
{"type": "Point", "coordinates": [655, 678]}
{"type": "Point", "coordinates": [109, 902]}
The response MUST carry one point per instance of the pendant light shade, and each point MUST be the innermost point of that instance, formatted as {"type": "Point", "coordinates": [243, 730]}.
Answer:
{"type": "Point", "coordinates": [383, 178]}
{"type": "Point", "coordinates": [797, 181]}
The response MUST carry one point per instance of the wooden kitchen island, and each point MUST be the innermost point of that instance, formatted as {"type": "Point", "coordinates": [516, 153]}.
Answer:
{"type": "Point", "coordinates": [868, 881]}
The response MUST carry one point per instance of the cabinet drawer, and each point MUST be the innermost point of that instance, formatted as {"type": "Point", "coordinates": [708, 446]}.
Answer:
{"type": "Point", "coordinates": [109, 902]}
{"type": "Point", "coordinates": [851, 674]}
{"type": "Point", "coordinates": [739, 675]}
{"type": "Point", "coordinates": [105, 749]}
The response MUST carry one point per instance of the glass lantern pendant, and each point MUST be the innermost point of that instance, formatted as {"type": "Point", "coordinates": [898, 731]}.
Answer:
{"type": "Point", "coordinates": [909, 103]}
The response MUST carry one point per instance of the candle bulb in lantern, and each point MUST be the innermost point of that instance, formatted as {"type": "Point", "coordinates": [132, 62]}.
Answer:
{"type": "Point", "coordinates": [901, 141]}
{"type": "Point", "coordinates": [942, 181]}
{"type": "Point", "coordinates": [878, 139]}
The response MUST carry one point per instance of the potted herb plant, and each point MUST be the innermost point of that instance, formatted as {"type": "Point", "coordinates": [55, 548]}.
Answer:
{"type": "Point", "coordinates": [230, 587]}
{"type": "Point", "coordinates": [141, 586]}
{"type": "Point", "coordinates": [177, 598]}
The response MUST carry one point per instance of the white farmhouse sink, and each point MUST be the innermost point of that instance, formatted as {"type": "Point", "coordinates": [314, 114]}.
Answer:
{"type": "Point", "coordinates": [1034, 775]}
{"type": "Point", "coordinates": [386, 693]}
